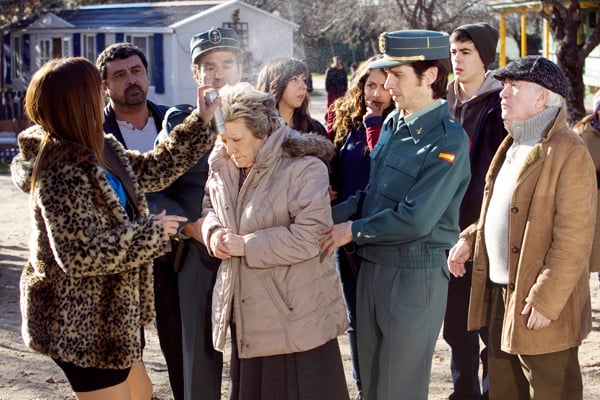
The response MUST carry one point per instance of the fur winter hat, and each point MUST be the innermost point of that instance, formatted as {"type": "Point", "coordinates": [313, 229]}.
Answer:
{"type": "Point", "coordinates": [536, 69]}
{"type": "Point", "coordinates": [485, 39]}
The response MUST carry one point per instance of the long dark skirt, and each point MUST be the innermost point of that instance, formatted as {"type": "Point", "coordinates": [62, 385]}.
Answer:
{"type": "Point", "coordinates": [316, 374]}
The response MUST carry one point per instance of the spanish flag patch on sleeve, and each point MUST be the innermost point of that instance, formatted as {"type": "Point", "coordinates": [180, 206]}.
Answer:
{"type": "Point", "coordinates": [448, 157]}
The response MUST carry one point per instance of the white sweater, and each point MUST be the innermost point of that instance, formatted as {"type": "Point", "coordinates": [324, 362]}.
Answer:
{"type": "Point", "coordinates": [525, 134]}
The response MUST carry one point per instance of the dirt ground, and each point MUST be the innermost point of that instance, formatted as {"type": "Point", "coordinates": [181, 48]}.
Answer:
{"type": "Point", "coordinates": [26, 375]}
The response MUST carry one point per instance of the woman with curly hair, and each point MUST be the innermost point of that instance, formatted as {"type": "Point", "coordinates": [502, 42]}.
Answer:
{"type": "Point", "coordinates": [357, 121]}
{"type": "Point", "coordinates": [285, 79]}
{"type": "Point", "coordinates": [358, 118]}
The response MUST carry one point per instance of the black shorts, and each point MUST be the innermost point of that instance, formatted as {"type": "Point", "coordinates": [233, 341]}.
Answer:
{"type": "Point", "coordinates": [90, 379]}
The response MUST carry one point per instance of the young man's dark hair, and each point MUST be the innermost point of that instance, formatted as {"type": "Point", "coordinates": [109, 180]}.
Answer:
{"type": "Point", "coordinates": [440, 85]}
{"type": "Point", "coordinates": [483, 36]}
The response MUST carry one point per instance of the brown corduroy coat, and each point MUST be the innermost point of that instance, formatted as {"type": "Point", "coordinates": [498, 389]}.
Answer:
{"type": "Point", "coordinates": [551, 229]}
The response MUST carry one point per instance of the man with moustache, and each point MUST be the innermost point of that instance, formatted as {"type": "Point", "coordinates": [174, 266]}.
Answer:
{"type": "Point", "coordinates": [129, 115]}
{"type": "Point", "coordinates": [217, 61]}
{"type": "Point", "coordinates": [135, 121]}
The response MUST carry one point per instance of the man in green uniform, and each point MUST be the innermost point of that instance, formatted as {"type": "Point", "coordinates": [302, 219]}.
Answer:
{"type": "Point", "coordinates": [406, 219]}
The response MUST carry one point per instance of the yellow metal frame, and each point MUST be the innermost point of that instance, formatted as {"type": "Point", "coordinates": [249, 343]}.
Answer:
{"type": "Point", "coordinates": [524, 8]}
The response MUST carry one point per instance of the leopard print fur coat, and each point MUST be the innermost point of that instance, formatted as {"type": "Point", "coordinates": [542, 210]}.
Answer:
{"type": "Point", "coordinates": [87, 287]}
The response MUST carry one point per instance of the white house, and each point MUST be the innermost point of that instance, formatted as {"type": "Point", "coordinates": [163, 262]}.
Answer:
{"type": "Point", "coordinates": [163, 30]}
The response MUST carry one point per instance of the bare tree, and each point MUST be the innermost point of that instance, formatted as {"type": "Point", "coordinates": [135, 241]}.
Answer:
{"type": "Point", "coordinates": [357, 28]}
{"type": "Point", "coordinates": [436, 15]}
{"type": "Point", "coordinates": [322, 25]}
{"type": "Point", "coordinates": [565, 24]}
{"type": "Point", "coordinates": [15, 10]}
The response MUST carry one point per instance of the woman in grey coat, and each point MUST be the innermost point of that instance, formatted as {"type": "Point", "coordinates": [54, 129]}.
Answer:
{"type": "Point", "coordinates": [267, 200]}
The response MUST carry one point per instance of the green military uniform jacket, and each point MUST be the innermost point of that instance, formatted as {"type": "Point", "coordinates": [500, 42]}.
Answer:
{"type": "Point", "coordinates": [407, 216]}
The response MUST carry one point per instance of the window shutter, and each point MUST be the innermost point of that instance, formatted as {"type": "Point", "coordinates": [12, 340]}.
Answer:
{"type": "Point", "coordinates": [7, 60]}
{"type": "Point", "coordinates": [159, 64]}
{"type": "Point", "coordinates": [26, 54]}
{"type": "Point", "coordinates": [100, 42]}
{"type": "Point", "coordinates": [77, 44]}
{"type": "Point", "coordinates": [119, 38]}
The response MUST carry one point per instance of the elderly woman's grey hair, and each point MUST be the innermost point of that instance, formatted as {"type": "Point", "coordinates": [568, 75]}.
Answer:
{"type": "Point", "coordinates": [256, 107]}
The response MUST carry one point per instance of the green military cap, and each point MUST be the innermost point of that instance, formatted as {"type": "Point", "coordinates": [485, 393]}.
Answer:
{"type": "Point", "coordinates": [405, 47]}
{"type": "Point", "coordinates": [213, 39]}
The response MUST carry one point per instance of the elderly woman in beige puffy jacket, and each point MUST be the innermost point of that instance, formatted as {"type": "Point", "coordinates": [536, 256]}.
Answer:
{"type": "Point", "coordinates": [266, 201]}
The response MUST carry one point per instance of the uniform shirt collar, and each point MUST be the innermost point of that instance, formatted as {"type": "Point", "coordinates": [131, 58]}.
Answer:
{"type": "Point", "coordinates": [418, 122]}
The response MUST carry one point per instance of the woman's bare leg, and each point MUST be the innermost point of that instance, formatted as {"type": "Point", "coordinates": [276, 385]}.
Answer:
{"type": "Point", "coordinates": [137, 386]}
{"type": "Point", "coordinates": [139, 382]}
{"type": "Point", "coordinates": [116, 392]}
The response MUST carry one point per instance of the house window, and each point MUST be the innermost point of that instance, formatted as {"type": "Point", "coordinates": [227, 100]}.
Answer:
{"type": "Point", "coordinates": [50, 48]}
{"type": "Point", "coordinates": [145, 44]}
{"type": "Point", "coordinates": [16, 59]}
{"type": "Point", "coordinates": [45, 51]}
{"type": "Point", "coordinates": [88, 47]}
{"type": "Point", "coordinates": [66, 47]}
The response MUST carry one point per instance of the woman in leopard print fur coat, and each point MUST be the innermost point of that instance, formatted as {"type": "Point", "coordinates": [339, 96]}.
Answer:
{"type": "Point", "coordinates": [86, 290]}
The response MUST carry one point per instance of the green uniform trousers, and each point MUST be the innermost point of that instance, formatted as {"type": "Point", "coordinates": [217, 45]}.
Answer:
{"type": "Point", "coordinates": [399, 316]}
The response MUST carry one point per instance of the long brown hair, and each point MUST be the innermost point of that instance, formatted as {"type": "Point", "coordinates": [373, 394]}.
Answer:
{"type": "Point", "coordinates": [349, 110]}
{"type": "Point", "coordinates": [64, 99]}
{"type": "Point", "coordinates": [274, 77]}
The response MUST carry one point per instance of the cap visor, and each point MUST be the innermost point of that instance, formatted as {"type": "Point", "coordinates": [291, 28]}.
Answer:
{"type": "Point", "coordinates": [383, 63]}
{"type": "Point", "coordinates": [199, 52]}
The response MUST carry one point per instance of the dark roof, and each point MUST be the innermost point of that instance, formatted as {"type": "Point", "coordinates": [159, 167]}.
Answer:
{"type": "Point", "coordinates": [146, 15]}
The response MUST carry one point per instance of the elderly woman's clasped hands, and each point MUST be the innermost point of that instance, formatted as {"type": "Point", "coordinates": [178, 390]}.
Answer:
{"type": "Point", "coordinates": [225, 244]}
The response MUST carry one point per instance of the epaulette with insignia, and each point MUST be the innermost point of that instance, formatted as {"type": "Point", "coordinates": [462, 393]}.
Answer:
{"type": "Point", "coordinates": [175, 115]}
{"type": "Point", "coordinates": [449, 124]}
